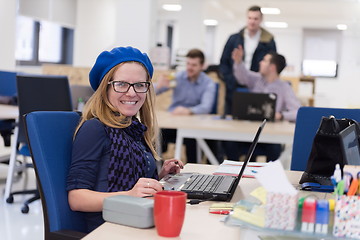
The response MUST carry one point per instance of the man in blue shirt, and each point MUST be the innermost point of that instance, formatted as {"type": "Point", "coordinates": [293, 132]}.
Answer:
{"type": "Point", "coordinates": [194, 93]}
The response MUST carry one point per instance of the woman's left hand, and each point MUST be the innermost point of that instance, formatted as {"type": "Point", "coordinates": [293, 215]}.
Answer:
{"type": "Point", "coordinates": [171, 166]}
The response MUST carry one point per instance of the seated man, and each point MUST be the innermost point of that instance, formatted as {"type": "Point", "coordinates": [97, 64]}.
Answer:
{"type": "Point", "coordinates": [265, 81]}
{"type": "Point", "coordinates": [194, 93]}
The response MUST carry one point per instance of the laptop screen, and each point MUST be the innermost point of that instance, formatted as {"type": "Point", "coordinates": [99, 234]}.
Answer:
{"type": "Point", "coordinates": [350, 145]}
{"type": "Point", "coordinates": [253, 106]}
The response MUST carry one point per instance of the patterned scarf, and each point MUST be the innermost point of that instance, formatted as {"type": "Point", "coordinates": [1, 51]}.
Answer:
{"type": "Point", "coordinates": [127, 162]}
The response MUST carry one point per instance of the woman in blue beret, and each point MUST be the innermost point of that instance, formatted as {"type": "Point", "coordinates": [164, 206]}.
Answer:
{"type": "Point", "coordinates": [114, 145]}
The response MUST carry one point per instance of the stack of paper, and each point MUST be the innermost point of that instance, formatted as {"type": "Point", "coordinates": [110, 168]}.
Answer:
{"type": "Point", "coordinates": [232, 168]}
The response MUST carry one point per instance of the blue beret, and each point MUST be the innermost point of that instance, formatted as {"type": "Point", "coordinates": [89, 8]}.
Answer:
{"type": "Point", "coordinates": [107, 60]}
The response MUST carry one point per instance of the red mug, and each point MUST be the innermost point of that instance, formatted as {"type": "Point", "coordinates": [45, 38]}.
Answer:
{"type": "Point", "coordinates": [169, 212]}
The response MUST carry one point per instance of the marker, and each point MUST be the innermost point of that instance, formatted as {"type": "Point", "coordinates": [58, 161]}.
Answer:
{"type": "Point", "coordinates": [340, 188]}
{"type": "Point", "coordinates": [353, 187]}
{"type": "Point", "coordinates": [308, 215]}
{"type": "Point", "coordinates": [223, 212]}
{"type": "Point", "coordinates": [322, 216]}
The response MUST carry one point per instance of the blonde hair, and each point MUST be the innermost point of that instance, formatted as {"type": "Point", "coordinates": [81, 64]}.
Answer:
{"type": "Point", "coordinates": [99, 106]}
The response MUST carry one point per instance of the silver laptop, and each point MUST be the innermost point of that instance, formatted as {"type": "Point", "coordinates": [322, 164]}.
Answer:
{"type": "Point", "coordinates": [253, 106]}
{"type": "Point", "coordinates": [350, 145]}
{"type": "Point", "coordinates": [207, 186]}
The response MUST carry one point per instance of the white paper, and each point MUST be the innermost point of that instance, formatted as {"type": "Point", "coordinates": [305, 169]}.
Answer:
{"type": "Point", "coordinates": [233, 168]}
{"type": "Point", "coordinates": [273, 178]}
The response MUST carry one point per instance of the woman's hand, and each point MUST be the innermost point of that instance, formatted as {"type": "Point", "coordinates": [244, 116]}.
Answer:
{"type": "Point", "coordinates": [171, 166]}
{"type": "Point", "coordinates": [145, 187]}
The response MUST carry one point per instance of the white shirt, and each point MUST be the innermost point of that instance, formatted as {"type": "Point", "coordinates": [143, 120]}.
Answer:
{"type": "Point", "coordinates": [250, 44]}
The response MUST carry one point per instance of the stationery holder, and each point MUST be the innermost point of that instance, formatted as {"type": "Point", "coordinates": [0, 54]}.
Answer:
{"type": "Point", "coordinates": [347, 217]}
{"type": "Point", "coordinates": [281, 211]}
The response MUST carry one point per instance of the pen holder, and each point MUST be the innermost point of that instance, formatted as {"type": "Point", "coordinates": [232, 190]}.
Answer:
{"type": "Point", "coordinates": [347, 217]}
{"type": "Point", "coordinates": [281, 211]}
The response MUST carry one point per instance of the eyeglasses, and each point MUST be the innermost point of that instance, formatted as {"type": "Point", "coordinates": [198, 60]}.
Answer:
{"type": "Point", "coordinates": [123, 87]}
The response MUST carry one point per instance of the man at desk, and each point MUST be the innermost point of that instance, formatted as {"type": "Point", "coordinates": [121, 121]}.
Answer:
{"type": "Point", "coordinates": [194, 93]}
{"type": "Point", "coordinates": [267, 81]}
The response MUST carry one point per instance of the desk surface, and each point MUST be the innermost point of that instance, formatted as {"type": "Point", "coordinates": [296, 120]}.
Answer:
{"type": "Point", "coordinates": [8, 111]}
{"type": "Point", "coordinates": [214, 123]}
{"type": "Point", "coordinates": [199, 223]}
{"type": "Point", "coordinates": [202, 127]}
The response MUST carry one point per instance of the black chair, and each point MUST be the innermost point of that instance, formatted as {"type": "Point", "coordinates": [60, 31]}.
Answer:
{"type": "Point", "coordinates": [35, 93]}
{"type": "Point", "coordinates": [50, 136]}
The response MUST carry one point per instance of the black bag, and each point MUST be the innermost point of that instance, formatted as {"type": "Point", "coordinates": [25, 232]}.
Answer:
{"type": "Point", "coordinates": [326, 150]}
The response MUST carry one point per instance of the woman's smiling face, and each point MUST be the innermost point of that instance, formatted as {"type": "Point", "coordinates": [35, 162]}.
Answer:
{"type": "Point", "coordinates": [128, 103]}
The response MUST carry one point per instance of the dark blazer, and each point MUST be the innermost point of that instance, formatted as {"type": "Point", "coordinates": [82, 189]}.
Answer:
{"type": "Point", "coordinates": [266, 45]}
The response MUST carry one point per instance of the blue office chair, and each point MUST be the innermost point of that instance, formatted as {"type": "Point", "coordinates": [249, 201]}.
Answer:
{"type": "Point", "coordinates": [7, 96]}
{"type": "Point", "coordinates": [307, 123]}
{"type": "Point", "coordinates": [215, 103]}
{"type": "Point", "coordinates": [50, 135]}
{"type": "Point", "coordinates": [35, 93]}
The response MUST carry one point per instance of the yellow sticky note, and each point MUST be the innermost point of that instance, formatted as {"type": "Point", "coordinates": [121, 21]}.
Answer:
{"type": "Point", "coordinates": [255, 217]}
{"type": "Point", "coordinates": [259, 193]}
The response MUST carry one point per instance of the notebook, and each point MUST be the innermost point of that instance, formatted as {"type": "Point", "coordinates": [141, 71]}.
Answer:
{"type": "Point", "coordinates": [207, 186]}
{"type": "Point", "coordinates": [350, 145]}
{"type": "Point", "coordinates": [253, 106]}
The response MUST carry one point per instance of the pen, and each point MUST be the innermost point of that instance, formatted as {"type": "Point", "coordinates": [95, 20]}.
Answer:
{"type": "Point", "coordinates": [358, 177]}
{"type": "Point", "coordinates": [353, 187]}
{"type": "Point", "coordinates": [308, 215]}
{"type": "Point", "coordinates": [340, 188]}
{"type": "Point", "coordinates": [224, 212]}
{"type": "Point", "coordinates": [347, 179]}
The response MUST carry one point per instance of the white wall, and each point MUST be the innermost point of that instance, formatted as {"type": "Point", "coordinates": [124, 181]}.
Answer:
{"type": "Point", "coordinates": [98, 27]}
{"type": "Point", "coordinates": [95, 30]}
{"type": "Point", "coordinates": [7, 39]}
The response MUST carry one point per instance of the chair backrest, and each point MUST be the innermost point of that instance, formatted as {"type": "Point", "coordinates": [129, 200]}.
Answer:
{"type": "Point", "coordinates": [7, 83]}
{"type": "Point", "coordinates": [50, 135]}
{"type": "Point", "coordinates": [41, 93]}
{"type": "Point", "coordinates": [307, 123]}
{"type": "Point", "coordinates": [214, 108]}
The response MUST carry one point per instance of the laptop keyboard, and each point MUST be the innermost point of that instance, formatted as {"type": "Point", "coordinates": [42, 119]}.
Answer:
{"type": "Point", "coordinates": [203, 183]}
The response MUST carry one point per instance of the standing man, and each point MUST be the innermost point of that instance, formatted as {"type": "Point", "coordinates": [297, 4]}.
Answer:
{"type": "Point", "coordinates": [194, 93]}
{"type": "Point", "coordinates": [256, 42]}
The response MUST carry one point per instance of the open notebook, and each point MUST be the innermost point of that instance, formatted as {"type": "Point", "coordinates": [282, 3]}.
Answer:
{"type": "Point", "coordinates": [208, 186]}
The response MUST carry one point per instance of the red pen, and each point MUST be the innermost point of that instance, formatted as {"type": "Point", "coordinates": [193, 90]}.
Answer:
{"type": "Point", "coordinates": [224, 212]}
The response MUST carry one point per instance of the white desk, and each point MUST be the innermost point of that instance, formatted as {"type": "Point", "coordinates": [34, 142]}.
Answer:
{"type": "Point", "coordinates": [198, 223]}
{"type": "Point", "coordinates": [202, 127]}
{"type": "Point", "coordinates": [8, 111]}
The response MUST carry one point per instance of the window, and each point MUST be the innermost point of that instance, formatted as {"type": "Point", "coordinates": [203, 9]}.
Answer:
{"type": "Point", "coordinates": [42, 42]}
{"type": "Point", "coordinates": [319, 68]}
{"type": "Point", "coordinates": [321, 52]}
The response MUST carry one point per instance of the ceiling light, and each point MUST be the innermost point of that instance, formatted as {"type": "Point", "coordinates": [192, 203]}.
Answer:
{"type": "Point", "coordinates": [270, 10]}
{"type": "Point", "coordinates": [276, 24]}
{"type": "Point", "coordinates": [210, 22]}
{"type": "Point", "coordinates": [341, 26]}
{"type": "Point", "coordinates": [172, 7]}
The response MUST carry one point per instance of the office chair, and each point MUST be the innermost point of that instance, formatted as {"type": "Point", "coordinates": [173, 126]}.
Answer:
{"type": "Point", "coordinates": [7, 96]}
{"type": "Point", "coordinates": [50, 135]}
{"type": "Point", "coordinates": [35, 93]}
{"type": "Point", "coordinates": [307, 123]}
